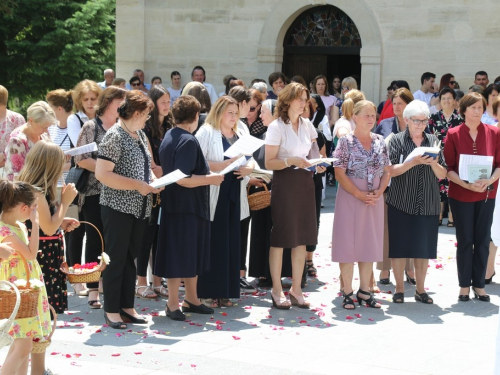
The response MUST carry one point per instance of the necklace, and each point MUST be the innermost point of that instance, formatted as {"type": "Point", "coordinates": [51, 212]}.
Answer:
{"type": "Point", "coordinates": [127, 129]}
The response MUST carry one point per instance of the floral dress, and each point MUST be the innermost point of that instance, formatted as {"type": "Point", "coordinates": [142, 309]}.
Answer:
{"type": "Point", "coordinates": [50, 257]}
{"type": "Point", "coordinates": [439, 127]}
{"type": "Point", "coordinates": [12, 269]}
{"type": "Point", "coordinates": [12, 121]}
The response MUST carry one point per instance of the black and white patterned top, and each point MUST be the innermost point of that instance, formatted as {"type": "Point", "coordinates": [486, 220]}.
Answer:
{"type": "Point", "coordinates": [416, 191]}
{"type": "Point", "coordinates": [133, 160]}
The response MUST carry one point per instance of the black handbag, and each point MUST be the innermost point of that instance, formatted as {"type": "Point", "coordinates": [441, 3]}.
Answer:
{"type": "Point", "coordinates": [80, 176]}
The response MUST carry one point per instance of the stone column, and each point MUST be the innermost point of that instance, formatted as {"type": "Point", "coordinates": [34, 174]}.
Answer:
{"type": "Point", "coordinates": [370, 73]}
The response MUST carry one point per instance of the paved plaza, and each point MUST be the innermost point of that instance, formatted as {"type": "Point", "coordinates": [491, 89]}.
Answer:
{"type": "Point", "coordinates": [449, 337]}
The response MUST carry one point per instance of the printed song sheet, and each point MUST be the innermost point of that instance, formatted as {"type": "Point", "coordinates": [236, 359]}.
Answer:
{"type": "Point", "coordinates": [234, 165]}
{"type": "Point", "coordinates": [246, 145]}
{"type": "Point", "coordinates": [168, 179]}
{"type": "Point", "coordinates": [475, 167]}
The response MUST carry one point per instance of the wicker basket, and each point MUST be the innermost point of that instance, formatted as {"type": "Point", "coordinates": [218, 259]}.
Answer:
{"type": "Point", "coordinates": [41, 346]}
{"type": "Point", "coordinates": [29, 299]}
{"type": "Point", "coordinates": [260, 200]}
{"type": "Point", "coordinates": [90, 277]}
{"type": "Point", "coordinates": [5, 338]}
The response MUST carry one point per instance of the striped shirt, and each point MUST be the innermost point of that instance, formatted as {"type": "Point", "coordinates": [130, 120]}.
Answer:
{"type": "Point", "coordinates": [61, 138]}
{"type": "Point", "coordinates": [416, 191]}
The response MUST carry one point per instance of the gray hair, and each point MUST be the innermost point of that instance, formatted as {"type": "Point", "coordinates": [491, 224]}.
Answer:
{"type": "Point", "coordinates": [41, 113]}
{"type": "Point", "coordinates": [416, 108]}
{"type": "Point", "coordinates": [261, 86]}
{"type": "Point", "coordinates": [106, 71]}
{"type": "Point", "coordinates": [270, 104]}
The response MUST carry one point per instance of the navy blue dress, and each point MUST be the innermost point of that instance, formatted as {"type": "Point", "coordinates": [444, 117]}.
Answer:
{"type": "Point", "coordinates": [184, 235]}
{"type": "Point", "coordinates": [223, 278]}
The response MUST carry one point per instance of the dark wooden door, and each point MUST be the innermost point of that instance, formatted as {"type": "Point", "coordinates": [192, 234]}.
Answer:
{"type": "Point", "coordinates": [307, 66]}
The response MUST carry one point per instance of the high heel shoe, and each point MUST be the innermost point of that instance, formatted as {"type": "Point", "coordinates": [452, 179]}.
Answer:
{"type": "Point", "coordinates": [303, 304]}
{"type": "Point", "coordinates": [412, 281]}
{"type": "Point", "coordinates": [483, 297]}
{"type": "Point", "coordinates": [386, 280]}
{"type": "Point", "coordinates": [369, 301]}
{"type": "Point", "coordinates": [285, 305]}
{"type": "Point", "coordinates": [127, 318]}
{"type": "Point", "coordinates": [488, 281]}
{"type": "Point", "coordinates": [115, 325]}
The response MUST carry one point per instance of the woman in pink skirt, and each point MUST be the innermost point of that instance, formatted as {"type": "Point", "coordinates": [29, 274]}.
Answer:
{"type": "Point", "coordinates": [362, 170]}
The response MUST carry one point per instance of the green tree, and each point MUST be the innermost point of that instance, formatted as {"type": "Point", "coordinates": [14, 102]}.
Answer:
{"type": "Point", "coordinates": [45, 45]}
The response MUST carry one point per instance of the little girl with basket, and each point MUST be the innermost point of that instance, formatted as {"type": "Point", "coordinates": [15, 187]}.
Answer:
{"type": "Point", "coordinates": [18, 204]}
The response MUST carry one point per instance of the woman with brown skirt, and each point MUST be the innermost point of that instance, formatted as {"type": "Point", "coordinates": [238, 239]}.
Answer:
{"type": "Point", "coordinates": [288, 142]}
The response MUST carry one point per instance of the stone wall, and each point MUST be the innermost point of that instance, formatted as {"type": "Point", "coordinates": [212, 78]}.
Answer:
{"type": "Point", "coordinates": [401, 39]}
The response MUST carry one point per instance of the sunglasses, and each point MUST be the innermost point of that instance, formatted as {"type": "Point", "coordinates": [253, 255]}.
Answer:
{"type": "Point", "coordinates": [252, 109]}
{"type": "Point", "coordinates": [453, 82]}
{"type": "Point", "coordinates": [136, 84]}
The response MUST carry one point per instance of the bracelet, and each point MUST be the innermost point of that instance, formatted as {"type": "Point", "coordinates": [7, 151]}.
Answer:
{"type": "Point", "coordinates": [286, 162]}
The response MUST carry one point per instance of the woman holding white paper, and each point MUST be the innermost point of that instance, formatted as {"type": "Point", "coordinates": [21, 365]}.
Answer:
{"type": "Point", "coordinates": [413, 202]}
{"type": "Point", "coordinates": [472, 202]}
{"type": "Point", "coordinates": [88, 199]}
{"type": "Point", "coordinates": [124, 169]}
{"type": "Point", "coordinates": [184, 235]}
{"type": "Point", "coordinates": [289, 140]}
{"type": "Point", "coordinates": [228, 204]}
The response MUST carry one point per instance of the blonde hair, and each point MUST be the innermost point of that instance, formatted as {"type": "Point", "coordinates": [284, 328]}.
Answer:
{"type": "Point", "coordinates": [43, 167]}
{"type": "Point", "coordinates": [4, 95]}
{"type": "Point", "coordinates": [60, 98]}
{"type": "Point", "coordinates": [352, 97]}
{"type": "Point", "coordinates": [41, 113]}
{"type": "Point", "coordinates": [215, 115]}
{"type": "Point", "coordinates": [362, 104]}
{"type": "Point", "coordinates": [81, 89]}
{"type": "Point", "coordinates": [350, 82]}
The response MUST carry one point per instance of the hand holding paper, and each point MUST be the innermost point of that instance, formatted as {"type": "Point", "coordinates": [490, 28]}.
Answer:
{"type": "Point", "coordinates": [168, 179]}
{"type": "Point", "coordinates": [246, 145]}
{"type": "Point", "coordinates": [234, 165]}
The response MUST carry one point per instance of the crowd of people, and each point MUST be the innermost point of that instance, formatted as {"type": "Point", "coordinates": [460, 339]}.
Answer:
{"type": "Point", "coordinates": [197, 233]}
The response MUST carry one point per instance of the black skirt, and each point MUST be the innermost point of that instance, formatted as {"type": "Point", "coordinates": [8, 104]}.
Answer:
{"type": "Point", "coordinates": [412, 236]}
{"type": "Point", "coordinates": [293, 209]}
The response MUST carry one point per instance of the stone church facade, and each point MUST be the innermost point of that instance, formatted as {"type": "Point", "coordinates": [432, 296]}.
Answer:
{"type": "Point", "coordinates": [380, 40]}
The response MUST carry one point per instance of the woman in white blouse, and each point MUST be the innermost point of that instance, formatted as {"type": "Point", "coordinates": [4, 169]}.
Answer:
{"type": "Point", "coordinates": [228, 204]}
{"type": "Point", "coordinates": [289, 141]}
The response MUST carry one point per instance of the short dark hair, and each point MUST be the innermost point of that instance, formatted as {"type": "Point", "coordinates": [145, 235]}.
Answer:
{"type": "Point", "coordinates": [460, 94]}
{"type": "Point", "coordinates": [185, 109]}
{"type": "Point", "coordinates": [470, 99]}
{"type": "Point", "coordinates": [198, 67]}
{"type": "Point", "coordinates": [447, 90]}
{"type": "Point", "coordinates": [155, 77]}
{"type": "Point", "coordinates": [174, 73]}
{"type": "Point", "coordinates": [133, 79]}
{"type": "Point", "coordinates": [135, 100]}
{"type": "Point", "coordinates": [240, 94]}
{"type": "Point", "coordinates": [427, 76]}
{"type": "Point", "coordinates": [487, 92]}
{"type": "Point", "coordinates": [273, 77]}
{"type": "Point", "coordinates": [401, 83]}
{"type": "Point", "coordinates": [107, 96]}
{"type": "Point", "coordinates": [481, 73]}
{"type": "Point", "coordinates": [495, 106]}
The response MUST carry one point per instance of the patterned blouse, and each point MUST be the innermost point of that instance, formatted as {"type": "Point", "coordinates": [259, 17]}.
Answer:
{"type": "Point", "coordinates": [16, 151]}
{"type": "Point", "coordinates": [438, 125]}
{"type": "Point", "coordinates": [133, 160]}
{"type": "Point", "coordinates": [358, 162]}
{"type": "Point", "coordinates": [257, 128]}
{"type": "Point", "coordinates": [12, 121]}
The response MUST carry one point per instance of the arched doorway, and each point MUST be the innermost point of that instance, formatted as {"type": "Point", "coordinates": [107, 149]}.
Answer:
{"type": "Point", "coordinates": [322, 40]}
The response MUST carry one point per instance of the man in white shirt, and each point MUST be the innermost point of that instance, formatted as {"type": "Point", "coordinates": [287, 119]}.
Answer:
{"type": "Point", "coordinates": [198, 74]}
{"type": "Point", "coordinates": [425, 94]}
{"type": "Point", "coordinates": [175, 90]}
{"type": "Point", "coordinates": [109, 76]}
{"type": "Point", "coordinates": [144, 86]}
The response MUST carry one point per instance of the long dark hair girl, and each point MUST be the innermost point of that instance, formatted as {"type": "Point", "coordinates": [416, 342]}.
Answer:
{"type": "Point", "coordinates": [155, 124]}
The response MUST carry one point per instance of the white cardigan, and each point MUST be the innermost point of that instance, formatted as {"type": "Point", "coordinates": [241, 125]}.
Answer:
{"type": "Point", "coordinates": [210, 141]}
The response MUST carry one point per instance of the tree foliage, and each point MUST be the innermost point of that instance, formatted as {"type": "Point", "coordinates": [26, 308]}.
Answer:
{"type": "Point", "coordinates": [45, 45]}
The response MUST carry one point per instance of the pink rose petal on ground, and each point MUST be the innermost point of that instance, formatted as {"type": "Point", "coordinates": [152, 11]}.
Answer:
{"type": "Point", "coordinates": [357, 316]}
{"type": "Point", "coordinates": [92, 355]}
{"type": "Point", "coordinates": [371, 319]}
{"type": "Point", "coordinates": [193, 365]}
{"type": "Point", "coordinates": [224, 314]}
{"type": "Point", "coordinates": [77, 355]}
{"type": "Point", "coordinates": [348, 317]}
{"type": "Point", "coordinates": [218, 326]}
{"type": "Point", "coordinates": [68, 355]}
{"type": "Point", "coordinates": [236, 337]}
{"type": "Point", "coordinates": [321, 313]}
{"type": "Point", "coordinates": [115, 354]}
{"type": "Point", "coordinates": [137, 353]}
{"type": "Point", "coordinates": [54, 353]}
{"type": "Point", "coordinates": [164, 350]}
{"type": "Point", "coordinates": [98, 331]}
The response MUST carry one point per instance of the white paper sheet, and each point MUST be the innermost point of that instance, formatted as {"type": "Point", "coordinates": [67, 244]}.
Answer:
{"type": "Point", "coordinates": [234, 165]}
{"type": "Point", "coordinates": [168, 179]}
{"type": "Point", "coordinates": [474, 167]}
{"type": "Point", "coordinates": [322, 160]}
{"type": "Point", "coordinates": [422, 150]}
{"type": "Point", "coordinates": [91, 147]}
{"type": "Point", "coordinates": [246, 145]}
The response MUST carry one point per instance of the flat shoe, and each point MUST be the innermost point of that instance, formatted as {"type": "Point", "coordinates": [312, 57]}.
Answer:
{"type": "Point", "coordinates": [132, 319]}
{"type": "Point", "coordinates": [197, 309]}
{"type": "Point", "coordinates": [176, 315]}
{"type": "Point", "coordinates": [114, 325]}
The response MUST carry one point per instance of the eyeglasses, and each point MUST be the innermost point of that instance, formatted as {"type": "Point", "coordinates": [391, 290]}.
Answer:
{"type": "Point", "coordinates": [345, 88]}
{"type": "Point", "coordinates": [420, 122]}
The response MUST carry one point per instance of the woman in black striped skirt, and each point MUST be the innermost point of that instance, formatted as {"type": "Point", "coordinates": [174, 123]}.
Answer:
{"type": "Point", "coordinates": [413, 201]}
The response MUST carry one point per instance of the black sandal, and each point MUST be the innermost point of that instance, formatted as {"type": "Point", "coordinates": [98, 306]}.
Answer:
{"type": "Point", "coordinates": [311, 270]}
{"type": "Point", "coordinates": [369, 301]}
{"type": "Point", "coordinates": [348, 301]}
{"type": "Point", "coordinates": [398, 298]}
{"type": "Point", "coordinates": [423, 297]}
{"type": "Point", "coordinates": [450, 224]}
{"type": "Point", "coordinates": [115, 325]}
{"type": "Point", "coordinates": [197, 309]}
{"type": "Point", "coordinates": [386, 280]}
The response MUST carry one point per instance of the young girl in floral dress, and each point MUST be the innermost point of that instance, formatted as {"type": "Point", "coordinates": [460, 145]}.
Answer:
{"type": "Point", "coordinates": [18, 204]}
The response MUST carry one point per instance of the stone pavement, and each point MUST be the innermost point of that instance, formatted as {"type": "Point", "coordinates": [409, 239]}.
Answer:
{"type": "Point", "coordinates": [252, 338]}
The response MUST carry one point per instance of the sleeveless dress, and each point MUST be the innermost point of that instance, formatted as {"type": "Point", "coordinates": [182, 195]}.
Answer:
{"type": "Point", "coordinates": [12, 269]}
